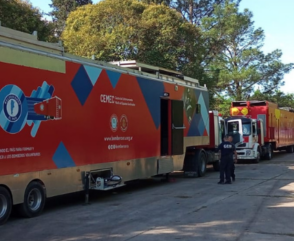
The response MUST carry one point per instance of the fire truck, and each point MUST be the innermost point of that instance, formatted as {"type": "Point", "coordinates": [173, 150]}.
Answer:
{"type": "Point", "coordinates": [260, 127]}
{"type": "Point", "coordinates": [70, 124]}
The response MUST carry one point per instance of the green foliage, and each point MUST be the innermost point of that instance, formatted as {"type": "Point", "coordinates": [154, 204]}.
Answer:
{"type": "Point", "coordinates": [21, 15]}
{"type": "Point", "coordinates": [166, 2]}
{"type": "Point", "coordinates": [195, 10]}
{"type": "Point", "coordinates": [278, 97]}
{"type": "Point", "coordinates": [166, 39]}
{"type": "Point", "coordinates": [222, 104]}
{"type": "Point", "coordinates": [242, 65]}
{"type": "Point", "coordinates": [114, 30]}
{"type": "Point", "coordinates": [108, 30]}
{"type": "Point", "coordinates": [61, 9]}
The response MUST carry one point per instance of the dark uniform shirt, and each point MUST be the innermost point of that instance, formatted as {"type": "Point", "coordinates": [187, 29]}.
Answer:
{"type": "Point", "coordinates": [227, 150]}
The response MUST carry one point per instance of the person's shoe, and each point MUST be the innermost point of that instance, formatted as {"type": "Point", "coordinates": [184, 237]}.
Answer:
{"type": "Point", "coordinates": [233, 178]}
{"type": "Point", "coordinates": [220, 182]}
{"type": "Point", "coordinates": [228, 182]}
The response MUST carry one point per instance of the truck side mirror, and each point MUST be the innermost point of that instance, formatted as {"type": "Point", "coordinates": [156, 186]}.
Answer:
{"type": "Point", "coordinates": [258, 131]}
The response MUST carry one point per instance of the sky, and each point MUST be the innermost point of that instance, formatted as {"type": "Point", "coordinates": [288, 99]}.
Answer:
{"type": "Point", "coordinates": [276, 18]}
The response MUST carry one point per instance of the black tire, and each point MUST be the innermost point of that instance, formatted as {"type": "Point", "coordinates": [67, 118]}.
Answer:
{"type": "Point", "coordinates": [34, 200]}
{"type": "Point", "coordinates": [290, 149]}
{"type": "Point", "coordinates": [201, 158]}
{"type": "Point", "coordinates": [257, 160]}
{"type": "Point", "coordinates": [5, 205]}
{"type": "Point", "coordinates": [216, 166]}
{"type": "Point", "coordinates": [269, 154]}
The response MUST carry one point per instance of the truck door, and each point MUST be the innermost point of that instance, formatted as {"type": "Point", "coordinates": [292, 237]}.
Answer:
{"type": "Point", "coordinates": [221, 133]}
{"type": "Point", "coordinates": [177, 133]}
{"type": "Point", "coordinates": [234, 129]}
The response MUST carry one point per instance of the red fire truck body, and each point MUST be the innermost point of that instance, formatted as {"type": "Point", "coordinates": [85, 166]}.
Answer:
{"type": "Point", "coordinates": [259, 127]}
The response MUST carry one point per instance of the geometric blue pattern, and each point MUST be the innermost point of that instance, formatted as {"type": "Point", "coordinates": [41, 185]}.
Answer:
{"type": "Point", "coordinates": [205, 115]}
{"type": "Point", "coordinates": [113, 77]}
{"type": "Point", "coordinates": [193, 130]}
{"type": "Point", "coordinates": [200, 122]}
{"type": "Point", "coordinates": [43, 92]}
{"type": "Point", "coordinates": [62, 158]}
{"type": "Point", "coordinates": [82, 85]}
{"type": "Point", "coordinates": [93, 73]}
{"type": "Point", "coordinates": [150, 89]}
{"type": "Point", "coordinates": [201, 127]}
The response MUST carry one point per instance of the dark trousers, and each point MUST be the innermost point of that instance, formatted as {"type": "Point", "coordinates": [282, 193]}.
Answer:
{"type": "Point", "coordinates": [233, 170]}
{"type": "Point", "coordinates": [225, 169]}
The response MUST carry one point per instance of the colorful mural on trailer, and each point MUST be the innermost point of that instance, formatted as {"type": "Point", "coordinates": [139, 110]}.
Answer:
{"type": "Point", "coordinates": [17, 109]}
{"type": "Point", "coordinates": [104, 116]}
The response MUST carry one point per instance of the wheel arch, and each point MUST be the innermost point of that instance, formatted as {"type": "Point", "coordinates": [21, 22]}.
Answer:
{"type": "Point", "coordinates": [40, 182]}
{"type": "Point", "coordinates": [9, 191]}
{"type": "Point", "coordinates": [257, 147]}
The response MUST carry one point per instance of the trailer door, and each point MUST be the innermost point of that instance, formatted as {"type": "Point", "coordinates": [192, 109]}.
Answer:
{"type": "Point", "coordinates": [177, 120]}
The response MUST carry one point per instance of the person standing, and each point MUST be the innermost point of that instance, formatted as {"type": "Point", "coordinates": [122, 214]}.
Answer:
{"type": "Point", "coordinates": [226, 150]}
{"type": "Point", "coordinates": [230, 139]}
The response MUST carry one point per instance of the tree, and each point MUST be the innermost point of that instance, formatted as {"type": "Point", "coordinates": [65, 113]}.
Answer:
{"type": "Point", "coordinates": [192, 10]}
{"type": "Point", "coordinates": [166, 39]}
{"type": "Point", "coordinates": [114, 30]}
{"type": "Point", "coordinates": [166, 2]}
{"type": "Point", "coordinates": [242, 65]}
{"type": "Point", "coordinates": [278, 97]}
{"type": "Point", "coordinates": [61, 9]}
{"type": "Point", "coordinates": [21, 15]}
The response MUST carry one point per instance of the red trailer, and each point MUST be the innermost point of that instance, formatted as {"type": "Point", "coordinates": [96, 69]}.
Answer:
{"type": "Point", "coordinates": [70, 123]}
{"type": "Point", "coordinates": [50, 108]}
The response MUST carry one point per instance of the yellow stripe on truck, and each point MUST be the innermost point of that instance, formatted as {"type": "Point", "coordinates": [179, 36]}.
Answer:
{"type": "Point", "coordinates": [18, 57]}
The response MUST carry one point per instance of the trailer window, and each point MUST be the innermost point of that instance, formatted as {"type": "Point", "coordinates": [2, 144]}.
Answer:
{"type": "Point", "coordinates": [198, 109]}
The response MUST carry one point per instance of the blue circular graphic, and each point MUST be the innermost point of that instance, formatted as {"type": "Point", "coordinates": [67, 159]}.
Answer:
{"type": "Point", "coordinates": [13, 109]}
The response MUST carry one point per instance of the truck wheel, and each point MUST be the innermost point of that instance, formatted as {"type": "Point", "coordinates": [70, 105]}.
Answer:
{"type": "Point", "coordinates": [290, 149]}
{"type": "Point", "coordinates": [201, 164]}
{"type": "Point", "coordinates": [216, 166]}
{"type": "Point", "coordinates": [34, 200]}
{"type": "Point", "coordinates": [257, 160]}
{"type": "Point", "coordinates": [5, 205]}
{"type": "Point", "coordinates": [268, 155]}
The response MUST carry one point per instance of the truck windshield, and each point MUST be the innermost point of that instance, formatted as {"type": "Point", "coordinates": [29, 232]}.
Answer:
{"type": "Point", "coordinates": [246, 127]}
{"type": "Point", "coordinates": [233, 127]}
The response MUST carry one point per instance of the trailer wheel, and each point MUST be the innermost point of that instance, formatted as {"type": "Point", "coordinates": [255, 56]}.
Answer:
{"type": "Point", "coordinates": [5, 205]}
{"type": "Point", "coordinates": [201, 163]}
{"type": "Point", "coordinates": [269, 154]}
{"type": "Point", "coordinates": [34, 200]}
{"type": "Point", "coordinates": [216, 166]}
